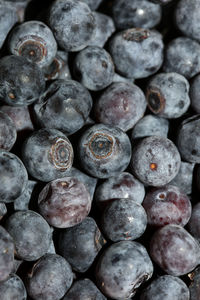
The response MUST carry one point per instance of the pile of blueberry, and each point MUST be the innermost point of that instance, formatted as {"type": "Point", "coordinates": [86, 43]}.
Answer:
{"type": "Point", "coordinates": [100, 149]}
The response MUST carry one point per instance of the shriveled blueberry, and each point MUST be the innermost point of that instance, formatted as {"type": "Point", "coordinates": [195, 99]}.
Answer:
{"type": "Point", "coordinates": [93, 4]}
{"type": "Point", "coordinates": [194, 286]}
{"type": "Point", "coordinates": [166, 287]}
{"type": "Point", "coordinates": [122, 268]}
{"type": "Point", "coordinates": [50, 278]}
{"type": "Point", "coordinates": [65, 106]}
{"type": "Point", "coordinates": [136, 52]}
{"type": "Point", "coordinates": [104, 151]}
{"type": "Point", "coordinates": [6, 254]}
{"type": "Point", "coordinates": [72, 23]}
{"type": "Point", "coordinates": [64, 202]}
{"type": "Point", "coordinates": [194, 222]}
{"type": "Point", "coordinates": [175, 250]}
{"type": "Point", "coordinates": [14, 177]}
{"type": "Point", "coordinates": [21, 81]}
{"type": "Point", "coordinates": [3, 210]}
{"type": "Point", "coordinates": [81, 244]}
{"type": "Point", "coordinates": [23, 201]}
{"type": "Point", "coordinates": [155, 160]}
{"type": "Point", "coordinates": [122, 104]}
{"type": "Point", "coordinates": [195, 94]}
{"type": "Point", "coordinates": [31, 234]}
{"type": "Point", "coordinates": [8, 133]}
{"type": "Point", "coordinates": [47, 154]}
{"type": "Point", "coordinates": [167, 95]}
{"type": "Point", "coordinates": [13, 288]}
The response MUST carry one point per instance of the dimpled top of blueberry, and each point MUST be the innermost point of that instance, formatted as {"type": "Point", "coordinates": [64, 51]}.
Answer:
{"type": "Point", "coordinates": [13, 288]}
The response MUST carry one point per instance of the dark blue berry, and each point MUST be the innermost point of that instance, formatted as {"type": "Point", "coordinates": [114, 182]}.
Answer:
{"type": "Point", "coordinates": [13, 289]}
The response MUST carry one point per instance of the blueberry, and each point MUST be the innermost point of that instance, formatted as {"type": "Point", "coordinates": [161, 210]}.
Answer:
{"type": "Point", "coordinates": [3, 210]}
{"type": "Point", "coordinates": [167, 95]}
{"type": "Point", "coordinates": [65, 106]}
{"type": "Point", "coordinates": [50, 278]}
{"type": "Point", "coordinates": [175, 250]}
{"type": "Point", "coordinates": [21, 81]}
{"type": "Point", "coordinates": [122, 104]}
{"type": "Point", "coordinates": [8, 133]}
{"type": "Point", "coordinates": [155, 160]}
{"type": "Point", "coordinates": [136, 52]}
{"type": "Point", "coordinates": [182, 55]}
{"type": "Point", "coordinates": [137, 13]}
{"type": "Point", "coordinates": [47, 154]}
{"type": "Point", "coordinates": [194, 94]}
{"type": "Point", "coordinates": [194, 285]}
{"type": "Point", "coordinates": [72, 23]}
{"type": "Point", "coordinates": [104, 151]}
{"type": "Point", "coordinates": [93, 4]}
{"type": "Point", "coordinates": [6, 254]}
{"type": "Point", "coordinates": [150, 125]}
{"type": "Point", "coordinates": [81, 244]}
{"type": "Point", "coordinates": [64, 202]}
{"type": "Point", "coordinates": [13, 288]}
{"type": "Point", "coordinates": [194, 222]}
{"type": "Point", "coordinates": [34, 41]}
{"type": "Point", "coordinates": [23, 201]}
{"type": "Point", "coordinates": [94, 68]}
{"type": "Point", "coordinates": [166, 287]}
{"type": "Point", "coordinates": [122, 268]}
{"type": "Point", "coordinates": [31, 234]}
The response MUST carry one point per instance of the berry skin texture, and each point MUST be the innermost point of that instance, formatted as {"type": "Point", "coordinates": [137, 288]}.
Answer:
{"type": "Point", "coordinates": [6, 254]}
{"type": "Point", "coordinates": [8, 133]}
{"type": "Point", "coordinates": [194, 286]}
{"type": "Point", "coordinates": [93, 4]}
{"type": "Point", "coordinates": [122, 268]}
{"type": "Point", "coordinates": [122, 104]}
{"type": "Point", "coordinates": [64, 202]}
{"type": "Point", "coordinates": [72, 23]}
{"type": "Point", "coordinates": [137, 53]}
{"type": "Point", "coordinates": [13, 288]}
{"type": "Point", "coordinates": [167, 205]}
{"type": "Point", "coordinates": [167, 95]}
{"type": "Point", "coordinates": [194, 94]}
{"type": "Point", "coordinates": [104, 151]}
{"type": "Point", "coordinates": [155, 161]}
{"type": "Point", "coordinates": [174, 250]}
{"type": "Point", "coordinates": [47, 154]}
{"type": "Point", "coordinates": [50, 278]}
{"type": "Point", "coordinates": [194, 222]}
{"type": "Point", "coordinates": [3, 210]}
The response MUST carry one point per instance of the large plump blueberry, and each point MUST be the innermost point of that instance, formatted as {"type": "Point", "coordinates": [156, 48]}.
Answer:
{"type": "Point", "coordinates": [72, 23]}
{"type": "Point", "coordinates": [167, 95]}
{"type": "Point", "coordinates": [194, 222]}
{"type": "Point", "coordinates": [155, 160]}
{"type": "Point", "coordinates": [31, 234]}
{"type": "Point", "coordinates": [81, 244]}
{"type": "Point", "coordinates": [64, 106]}
{"type": "Point", "coordinates": [137, 13]}
{"type": "Point", "coordinates": [122, 268]}
{"type": "Point", "coordinates": [50, 278]}
{"type": "Point", "coordinates": [104, 151]}
{"type": "Point", "coordinates": [21, 81]}
{"type": "Point", "coordinates": [8, 133]}
{"type": "Point", "coordinates": [182, 55]}
{"type": "Point", "coordinates": [175, 250]}
{"type": "Point", "coordinates": [34, 41]}
{"type": "Point", "coordinates": [194, 286]}
{"type": "Point", "coordinates": [13, 289]}
{"type": "Point", "coordinates": [93, 4]}
{"type": "Point", "coordinates": [14, 177]}
{"type": "Point", "coordinates": [122, 104]}
{"type": "Point", "coordinates": [195, 94]}
{"type": "Point", "coordinates": [64, 202]}
{"type": "Point", "coordinates": [6, 254]}
{"type": "Point", "coordinates": [136, 52]}
{"type": "Point", "coordinates": [47, 154]}
{"type": "Point", "coordinates": [166, 287]}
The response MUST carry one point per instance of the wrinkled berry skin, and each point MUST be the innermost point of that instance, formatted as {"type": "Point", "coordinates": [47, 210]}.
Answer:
{"type": "Point", "coordinates": [166, 287]}
{"type": "Point", "coordinates": [84, 289]}
{"type": "Point", "coordinates": [81, 244]}
{"type": "Point", "coordinates": [31, 234]}
{"type": "Point", "coordinates": [122, 104]}
{"type": "Point", "coordinates": [104, 151]}
{"type": "Point", "coordinates": [124, 185]}
{"type": "Point", "coordinates": [53, 269]}
{"type": "Point", "coordinates": [21, 81]}
{"type": "Point", "coordinates": [47, 154]}
{"type": "Point", "coordinates": [6, 254]}
{"type": "Point", "coordinates": [194, 94]}
{"type": "Point", "coordinates": [167, 205]}
{"type": "Point", "coordinates": [150, 125]}
{"type": "Point", "coordinates": [65, 106]}
{"type": "Point", "coordinates": [64, 202]}
{"type": "Point", "coordinates": [167, 95]}
{"type": "Point", "coordinates": [194, 222]}
{"type": "Point", "coordinates": [138, 13]}
{"type": "Point", "coordinates": [14, 177]}
{"type": "Point", "coordinates": [122, 268]}
{"type": "Point", "coordinates": [194, 286]}
{"type": "Point", "coordinates": [72, 23]}
{"type": "Point", "coordinates": [188, 139]}
{"type": "Point", "coordinates": [13, 288]}
{"type": "Point", "coordinates": [155, 161]}
{"type": "Point", "coordinates": [93, 4]}
{"type": "Point", "coordinates": [123, 220]}
{"type": "Point", "coordinates": [175, 250]}
{"type": "Point", "coordinates": [8, 133]}
{"type": "Point", "coordinates": [137, 53]}
{"type": "Point", "coordinates": [34, 41]}
{"type": "Point", "coordinates": [182, 55]}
